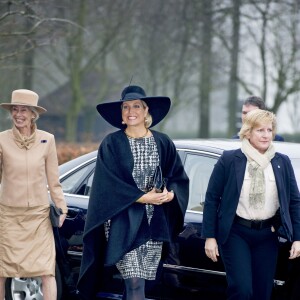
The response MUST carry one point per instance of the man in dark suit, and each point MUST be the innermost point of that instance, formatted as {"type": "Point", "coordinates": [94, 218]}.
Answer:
{"type": "Point", "coordinates": [254, 102]}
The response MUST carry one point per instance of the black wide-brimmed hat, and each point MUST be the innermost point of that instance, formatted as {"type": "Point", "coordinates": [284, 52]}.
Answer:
{"type": "Point", "coordinates": [111, 111]}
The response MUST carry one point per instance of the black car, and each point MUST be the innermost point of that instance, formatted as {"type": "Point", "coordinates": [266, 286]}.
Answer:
{"type": "Point", "coordinates": [186, 272]}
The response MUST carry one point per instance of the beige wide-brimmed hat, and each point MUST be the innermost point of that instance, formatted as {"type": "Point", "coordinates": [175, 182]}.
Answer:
{"type": "Point", "coordinates": [25, 98]}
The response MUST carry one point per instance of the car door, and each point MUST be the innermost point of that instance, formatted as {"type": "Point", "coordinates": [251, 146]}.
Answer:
{"type": "Point", "coordinates": [187, 267]}
{"type": "Point", "coordinates": [76, 185]}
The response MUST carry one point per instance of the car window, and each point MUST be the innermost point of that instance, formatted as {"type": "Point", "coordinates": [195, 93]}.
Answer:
{"type": "Point", "coordinates": [89, 182]}
{"type": "Point", "coordinates": [73, 182]}
{"type": "Point", "coordinates": [198, 169]}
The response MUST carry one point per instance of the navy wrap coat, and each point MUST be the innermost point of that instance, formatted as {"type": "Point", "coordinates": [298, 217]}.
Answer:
{"type": "Point", "coordinates": [113, 196]}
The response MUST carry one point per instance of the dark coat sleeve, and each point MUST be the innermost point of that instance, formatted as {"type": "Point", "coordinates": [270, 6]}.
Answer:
{"type": "Point", "coordinates": [223, 194]}
{"type": "Point", "coordinates": [288, 194]}
{"type": "Point", "coordinates": [213, 198]}
{"type": "Point", "coordinates": [176, 180]}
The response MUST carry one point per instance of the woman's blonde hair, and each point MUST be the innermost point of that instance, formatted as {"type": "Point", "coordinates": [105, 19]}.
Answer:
{"type": "Point", "coordinates": [256, 118]}
{"type": "Point", "coordinates": [148, 119]}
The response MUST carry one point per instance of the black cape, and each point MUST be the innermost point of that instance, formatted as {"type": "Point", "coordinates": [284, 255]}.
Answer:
{"type": "Point", "coordinates": [113, 196]}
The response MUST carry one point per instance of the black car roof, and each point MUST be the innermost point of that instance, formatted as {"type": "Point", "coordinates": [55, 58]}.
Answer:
{"type": "Point", "coordinates": [76, 162]}
{"type": "Point", "coordinates": [210, 145]}
{"type": "Point", "coordinates": [219, 145]}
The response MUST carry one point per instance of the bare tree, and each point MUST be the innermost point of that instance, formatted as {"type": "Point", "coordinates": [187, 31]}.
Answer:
{"type": "Point", "coordinates": [206, 67]}
{"type": "Point", "coordinates": [293, 111]}
{"type": "Point", "coordinates": [85, 48]}
{"type": "Point", "coordinates": [286, 58]}
{"type": "Point", "coordinates": [155, 48]}
{"type": "Point", "coordinates": [234, 59]}
{"type": "Point", "coordinates": [23, 27]}
{"type": "Point", "coordinates": [170, 47]}
{"type": "Point", "coordinates": [278, 49]}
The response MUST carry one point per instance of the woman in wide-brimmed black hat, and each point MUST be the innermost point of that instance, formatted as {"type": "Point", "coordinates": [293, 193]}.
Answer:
{"type": "Point", "coordinates": [128, 220]}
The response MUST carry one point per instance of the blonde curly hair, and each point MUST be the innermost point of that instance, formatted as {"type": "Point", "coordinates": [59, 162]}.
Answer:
{"type": "Point", "coordinates": [148, 119]}
{"type": "Point", "coordinates": [256, 118]}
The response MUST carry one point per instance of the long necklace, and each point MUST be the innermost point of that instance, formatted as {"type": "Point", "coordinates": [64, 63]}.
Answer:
{"type": "Point", "coordinates": [139, 137]}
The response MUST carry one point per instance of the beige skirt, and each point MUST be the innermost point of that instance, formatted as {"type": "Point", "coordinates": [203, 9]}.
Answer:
{"type": "Point", "coordinates": [27, 247]}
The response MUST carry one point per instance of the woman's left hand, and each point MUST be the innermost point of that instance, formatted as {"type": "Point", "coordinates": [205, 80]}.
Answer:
{"type": "Point", "coordinates": [295, 250]}
{"type": "Point", "coordinates": [155, 198]}
{"type": "Point", "coordinates": [165, 196]}
{"type": "Point", "coordinates": [169, 196]}
{"type": "Point", "coordinates": [62, 218]}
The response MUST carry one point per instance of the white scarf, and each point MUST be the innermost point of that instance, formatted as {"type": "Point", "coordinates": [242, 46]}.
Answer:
{"type": "Point", "coordinates": [257, 163]}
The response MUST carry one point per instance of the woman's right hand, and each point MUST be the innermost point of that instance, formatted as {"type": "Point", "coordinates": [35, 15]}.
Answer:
{"type": "Point", "coordinates": [62, 218]}
{"type": "Point", "coordinates": [211, 249]}
{"type": "Point", "coordinates": [156, 198]}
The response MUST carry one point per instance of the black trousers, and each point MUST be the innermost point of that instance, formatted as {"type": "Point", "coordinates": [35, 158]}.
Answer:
{"type": "Point", "coordinates": [249, 257]}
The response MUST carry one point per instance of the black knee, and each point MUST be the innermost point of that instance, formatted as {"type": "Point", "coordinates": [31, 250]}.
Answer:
{"type": "Point", "coordinates": [241, 291]}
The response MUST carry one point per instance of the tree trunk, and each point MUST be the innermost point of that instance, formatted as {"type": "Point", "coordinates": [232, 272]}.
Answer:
{"type": "Point", "coordinates": [28, 57]}
{"type": "Point", "coordinates": [233, 83]}
{"type": "Point", "coordinates": [206, 68]}
{"type": "Point", "coordinates": [75, 62]}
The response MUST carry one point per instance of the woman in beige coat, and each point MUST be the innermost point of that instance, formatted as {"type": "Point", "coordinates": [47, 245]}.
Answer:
{"type": "Point", "coordinates": [28, 162]}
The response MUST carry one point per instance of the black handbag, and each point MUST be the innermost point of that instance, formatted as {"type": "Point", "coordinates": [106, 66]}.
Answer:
{"type": "Point", "coordinates": [55, 212]}
{"type": "Point", "coordinates": [158, 180]}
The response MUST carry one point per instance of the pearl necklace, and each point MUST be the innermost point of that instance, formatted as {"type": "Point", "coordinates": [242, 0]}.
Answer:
{"type": "Point", "coordinates": [139, 137]}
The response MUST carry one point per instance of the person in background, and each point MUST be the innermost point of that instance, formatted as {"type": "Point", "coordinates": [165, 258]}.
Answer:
{"type": "Point", "coordinates": [251, 103]}
{"type": "Point", "coordinates": [28, 162]}
{"type": "Point", "coordinates": [251, 192]}
{"type": "Point", "coordinates": [128, 220]}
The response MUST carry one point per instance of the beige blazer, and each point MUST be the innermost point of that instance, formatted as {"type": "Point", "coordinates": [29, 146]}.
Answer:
{"type": "Point", "coordinates": [25, 173]}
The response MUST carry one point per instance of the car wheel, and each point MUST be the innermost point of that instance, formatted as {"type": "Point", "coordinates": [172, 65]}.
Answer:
{"type": "Point", "coordinates": [29, 288]}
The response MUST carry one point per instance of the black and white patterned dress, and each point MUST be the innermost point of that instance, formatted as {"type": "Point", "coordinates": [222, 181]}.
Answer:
{"type": "Point", "coordinates": [143, 261]}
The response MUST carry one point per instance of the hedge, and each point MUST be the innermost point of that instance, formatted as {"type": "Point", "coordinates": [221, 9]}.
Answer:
{"type": "Point", "coordinates": [69, 151]}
